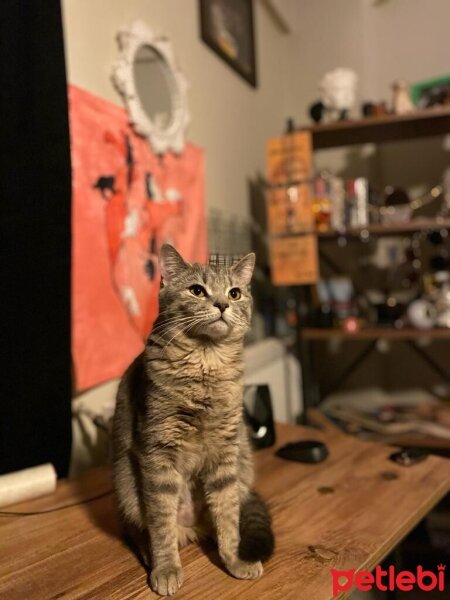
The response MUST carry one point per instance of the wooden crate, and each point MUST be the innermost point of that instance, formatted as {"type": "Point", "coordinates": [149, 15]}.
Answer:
{"type": "Point", "coordinates": [294, 260]}
{"type": "Point", "coordinates": [293, 243]}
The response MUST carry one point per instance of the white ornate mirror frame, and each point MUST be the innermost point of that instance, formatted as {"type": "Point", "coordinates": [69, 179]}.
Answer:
{"type": "Point", "coordinates": [161, 138]}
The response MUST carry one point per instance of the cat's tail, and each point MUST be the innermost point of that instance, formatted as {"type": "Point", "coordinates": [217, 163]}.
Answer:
{"type": "Point", "coordinates": [255, 527]}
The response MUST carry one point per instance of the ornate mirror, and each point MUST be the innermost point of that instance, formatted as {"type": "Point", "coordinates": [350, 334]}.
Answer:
{"type": "Point", "coordinates": [153, 88]}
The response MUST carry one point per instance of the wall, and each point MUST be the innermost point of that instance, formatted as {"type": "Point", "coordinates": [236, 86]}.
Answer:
{"type": "Point", "coordinates": [407, 39]}
{"type": "Point", "coordinates": [382, 41]}
{"type": "Point", "coordinates": [231, 120]}
{"type": "Point", "coordinates": [326, 34]}
{"type": "Point", "coordinates": [404, 38]}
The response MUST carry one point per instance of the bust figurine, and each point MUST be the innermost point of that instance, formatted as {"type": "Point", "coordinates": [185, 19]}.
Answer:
{"type": "Point", "coordinates": [338, 89]}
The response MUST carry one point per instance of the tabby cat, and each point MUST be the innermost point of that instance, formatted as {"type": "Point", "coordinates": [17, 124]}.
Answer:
{"type": "Point", "coordinates": [181, 456]}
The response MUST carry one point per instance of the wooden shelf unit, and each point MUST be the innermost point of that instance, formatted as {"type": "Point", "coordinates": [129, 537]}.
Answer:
{"type": "Point", "coordinates": [420, 123]}
{"type": "Point", "coordinates": [377, 229]}
{"type": "Point", "coordinates": [389, 228]}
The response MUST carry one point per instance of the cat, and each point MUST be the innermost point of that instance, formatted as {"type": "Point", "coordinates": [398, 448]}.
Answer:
{"type": "Point", "coordinates": [182, 463]}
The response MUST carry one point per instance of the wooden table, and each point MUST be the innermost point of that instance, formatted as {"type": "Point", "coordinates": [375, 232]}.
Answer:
{"type": "Point", "coordinates": [348, 512]}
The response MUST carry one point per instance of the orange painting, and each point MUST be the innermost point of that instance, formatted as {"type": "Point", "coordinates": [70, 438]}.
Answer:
{"type": "Point", "coordinates": [126, 202]}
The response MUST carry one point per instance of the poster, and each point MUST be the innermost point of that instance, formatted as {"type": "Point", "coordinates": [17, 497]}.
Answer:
{"type": "Point", "coordinates": [126, 202]}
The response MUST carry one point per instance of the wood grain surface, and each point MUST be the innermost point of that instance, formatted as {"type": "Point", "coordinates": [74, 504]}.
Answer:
{"type": "Point", "coordinates": [420, 123]}
{"type": "Point", "coordinates": [347, 512]}
{"type": "Point", "coordinates": [389, 228]}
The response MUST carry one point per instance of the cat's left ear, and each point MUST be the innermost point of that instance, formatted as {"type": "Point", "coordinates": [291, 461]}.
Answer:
{"type": "Point", "coordinates": [243, 270]}
{"type": "Point", "coordinates": [171, 263]}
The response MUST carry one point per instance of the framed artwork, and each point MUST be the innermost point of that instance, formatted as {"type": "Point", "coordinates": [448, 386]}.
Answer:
{"type": "Point", "coordinates": [126, 202]}
{"type": "Point", "coordinates": [433, 92]}
{"type": "Point", "coordinates": [227, 28]}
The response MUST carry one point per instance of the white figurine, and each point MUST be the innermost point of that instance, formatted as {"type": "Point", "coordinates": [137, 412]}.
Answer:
{"type": "Point", "coordinates": [338, 88]}
{"type": "Point", "coordinates": [401, 101]}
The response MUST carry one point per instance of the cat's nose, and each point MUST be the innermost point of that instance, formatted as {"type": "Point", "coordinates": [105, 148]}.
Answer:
{"type": "Point", "coordinates": [221, 306]}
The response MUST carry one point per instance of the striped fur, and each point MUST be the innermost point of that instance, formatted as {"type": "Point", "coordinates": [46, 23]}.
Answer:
{"type": "Point", "coordinates": [181, 455]}
{"type": "Point", "coordinates": [257, 541]}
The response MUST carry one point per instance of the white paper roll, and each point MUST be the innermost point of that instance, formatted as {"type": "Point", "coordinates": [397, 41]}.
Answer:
{"type": "Point", "coordinates": [27, 484]}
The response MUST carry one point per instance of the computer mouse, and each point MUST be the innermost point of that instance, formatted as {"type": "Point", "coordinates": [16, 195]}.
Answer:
{"type": "Point", "coordinates": [306, 451]}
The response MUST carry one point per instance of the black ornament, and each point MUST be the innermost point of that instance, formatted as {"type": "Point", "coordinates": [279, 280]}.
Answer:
{"type": "Point", "coordinates": [316, 111]}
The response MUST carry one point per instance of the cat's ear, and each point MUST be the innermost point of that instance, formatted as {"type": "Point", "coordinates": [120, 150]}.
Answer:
{"type": "Point", "coordinates": [171, 263]}
{"type": "Point", "coordinates": [243, 270]}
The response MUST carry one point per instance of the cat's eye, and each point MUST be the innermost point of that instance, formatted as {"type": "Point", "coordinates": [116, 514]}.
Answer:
{"type": "Point", "coordinates": [234, 294]}
{"type": "Point", "coordinates": [198, 290]}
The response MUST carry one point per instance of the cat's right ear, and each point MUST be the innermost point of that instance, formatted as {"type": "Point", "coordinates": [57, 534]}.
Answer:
{"type": "Point", "coordinates": [170, 263]}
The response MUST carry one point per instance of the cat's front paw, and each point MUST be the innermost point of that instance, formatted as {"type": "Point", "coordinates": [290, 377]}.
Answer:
{"type": "Point", "coordinates": [165, 581]}
{"type": "Point", "coordinates": [245, 570]}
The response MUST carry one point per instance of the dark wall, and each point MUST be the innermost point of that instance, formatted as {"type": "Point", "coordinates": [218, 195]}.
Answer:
{"type": "Point", "coordinates": [35, 187]}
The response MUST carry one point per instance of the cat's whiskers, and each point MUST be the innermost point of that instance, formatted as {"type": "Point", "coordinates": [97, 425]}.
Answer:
{"type": "Point", "coordinates": [196, 321]}
{"type": "Point", "coordinates": [167, 331]}
{"type": "Point", "coordinates": [182, 323]}
{"type": "Point", "coordinates": [236, 320]}
{"type": "Point", "coordinates": [169, 322]}
{"type": "Point", "coordinates": [161, 329]}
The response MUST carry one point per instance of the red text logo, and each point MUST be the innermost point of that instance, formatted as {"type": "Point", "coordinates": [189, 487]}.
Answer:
{"type": "Point", "coordinates": [388, 580]}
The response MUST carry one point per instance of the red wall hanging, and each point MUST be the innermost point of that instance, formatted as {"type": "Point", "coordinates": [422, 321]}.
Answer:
{"type": "Point", "coordinates": [126, 201]}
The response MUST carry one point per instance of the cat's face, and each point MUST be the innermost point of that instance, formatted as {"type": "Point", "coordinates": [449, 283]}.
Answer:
{"type": "Point", "coordinates": [205, 302]}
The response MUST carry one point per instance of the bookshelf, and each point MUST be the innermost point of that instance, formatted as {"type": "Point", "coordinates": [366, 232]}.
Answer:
{"type": "Point", "coordinates": [418, 124]}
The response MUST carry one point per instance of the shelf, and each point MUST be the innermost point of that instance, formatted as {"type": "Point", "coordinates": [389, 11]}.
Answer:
{"type": "Point", "coordinates": [421, 123]}
{"type": "Point", "coordinates": [390, 229]}
{"type": "Point", "coordinates": [407, 333]}
{"type": "Point", "coordinates": [375, 229]}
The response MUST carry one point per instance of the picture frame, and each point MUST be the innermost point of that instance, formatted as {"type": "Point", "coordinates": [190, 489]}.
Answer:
{"type": "Point", "coordinates": [140, 52]}
{"type": "Point", "coordinates": [432, 92]}
{"type": "Point", "coordinates": [227, 27]}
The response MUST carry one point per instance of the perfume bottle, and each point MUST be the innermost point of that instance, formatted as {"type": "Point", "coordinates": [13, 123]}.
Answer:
{"type": "Point", "coordinates": [351, 215]}
{"type": "Point", "coordinates": [322, 205]}
{"type": "Point", "coordinates": [362, 202]}
{"type": "Point", "coordinates": [337, 194]}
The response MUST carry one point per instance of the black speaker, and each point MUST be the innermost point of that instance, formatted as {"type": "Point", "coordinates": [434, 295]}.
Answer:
{"type": "Point", "coordinates": [259, 416]}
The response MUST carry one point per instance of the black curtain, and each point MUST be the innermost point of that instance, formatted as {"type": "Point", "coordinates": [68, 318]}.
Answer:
{"type": "Point", "coordinates": [35, 189]}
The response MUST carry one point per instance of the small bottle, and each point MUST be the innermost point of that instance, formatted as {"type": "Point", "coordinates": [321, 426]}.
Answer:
{"type": "Point", "coordinates": [362, 202]}
{"type": "Point", "coordinates": [322, 205]}
{"type": "Point", "coordinates": [351, 218]}
{"type": "Point", "coordinates": [337, 194]}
